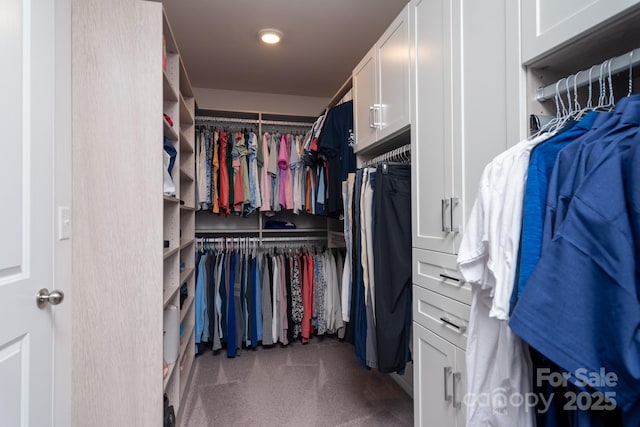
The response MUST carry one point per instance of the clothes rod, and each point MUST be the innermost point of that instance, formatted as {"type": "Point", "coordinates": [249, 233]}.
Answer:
{"type": "Point", "coordinates": [225, 120]}
{"type": "Point", "coordinates": [395, 154]}
{"type": "Point", "coordinates": [265, 239]}
{"type": "Point", "coordinates": [584, 77]}
{"type": "Point", "coordinates": [277, 123]}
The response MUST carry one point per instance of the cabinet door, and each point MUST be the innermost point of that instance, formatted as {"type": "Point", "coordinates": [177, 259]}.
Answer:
{"type": "Point", "coordinates": [393, 71]}
{"type": "Point", "coordinates": [434, 366]}
{"type": "Point", "coordinates": [365, 98]}
{"type": "Point", "coordinates": [551, 24]}
{"type": "Point", "coordinates": [432, 130]}
{"type": "Point", "coordinates": [460, 378]}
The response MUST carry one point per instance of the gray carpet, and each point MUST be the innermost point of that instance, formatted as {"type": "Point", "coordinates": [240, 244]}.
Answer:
{"type": "Point", "coordinates": [318, 384]}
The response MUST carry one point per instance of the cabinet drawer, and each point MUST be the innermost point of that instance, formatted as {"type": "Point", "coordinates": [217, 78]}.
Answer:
{"type": "Point", "coordinates": [443, 316]}
{"type": "Point", "coordinates": [438, 272]}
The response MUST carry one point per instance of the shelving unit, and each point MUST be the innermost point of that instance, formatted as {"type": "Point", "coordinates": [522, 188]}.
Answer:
{"type": "Point", "coordinates": [179, 218]}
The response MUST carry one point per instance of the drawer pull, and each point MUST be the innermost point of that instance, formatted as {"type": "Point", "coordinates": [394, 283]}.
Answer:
{"type": "Point", "coordinates": [444, 276]}
{"type": "Point", "coordinates": [447, 372]}
{"type": "Point", "coordinates": [448, 322]}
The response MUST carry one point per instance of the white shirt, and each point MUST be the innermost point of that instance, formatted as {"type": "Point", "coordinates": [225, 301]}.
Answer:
{"type": "Point", "coordinates": [489, 249]}
{"type": "Point", "coordinates": [498, 363]}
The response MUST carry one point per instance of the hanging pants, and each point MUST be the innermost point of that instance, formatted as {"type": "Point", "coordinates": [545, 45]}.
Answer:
{"type": "Point", "coordinates": [392, 265]}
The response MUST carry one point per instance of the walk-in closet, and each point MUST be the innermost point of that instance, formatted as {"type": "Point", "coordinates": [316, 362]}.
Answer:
{"type": "Point", "coordinates": [364, 213]}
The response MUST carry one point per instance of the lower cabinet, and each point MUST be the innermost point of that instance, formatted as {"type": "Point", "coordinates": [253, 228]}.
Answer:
{"type": "Point", "coordinates": [439, 380]}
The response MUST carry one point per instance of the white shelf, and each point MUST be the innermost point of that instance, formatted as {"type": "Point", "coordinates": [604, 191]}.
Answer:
{"type": "Point", "coordinates": [170, 199]}
{"type": "Point", "coordinates": [187, 208]}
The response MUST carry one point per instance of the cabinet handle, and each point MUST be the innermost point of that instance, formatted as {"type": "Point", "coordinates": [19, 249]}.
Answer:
{"type": "Point", "coordinates": [444, 276]}
{"type": "Point", "coordinates": [448, 322]}
{"type": "Point", "coordinates": [447, 372]}
{"type": "Point", "coordinates": [454, 202]}
{"type": "Point", "coordinates": [371, 119]}
{"type": "Point", "coordinates": [377, 108]}
{"type": "Point", "coordinates": [456, 378]}
{"type": "Point", "coordinates": [444, 204]}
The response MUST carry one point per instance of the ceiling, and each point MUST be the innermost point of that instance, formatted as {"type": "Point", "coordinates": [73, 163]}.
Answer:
{"type": "Point", "coordinates": [323, 41]}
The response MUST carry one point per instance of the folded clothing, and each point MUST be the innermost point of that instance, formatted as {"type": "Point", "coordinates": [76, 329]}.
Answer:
{"type": "Point", "coordinates": [279, 225]}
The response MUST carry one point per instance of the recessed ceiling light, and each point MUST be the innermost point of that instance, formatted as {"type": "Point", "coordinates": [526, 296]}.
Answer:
{"type": "Point", "coordinates": [270, 36]}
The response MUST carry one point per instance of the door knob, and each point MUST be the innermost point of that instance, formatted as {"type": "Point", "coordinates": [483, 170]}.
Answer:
{"type": "Point", "coordinates": [44, 297]}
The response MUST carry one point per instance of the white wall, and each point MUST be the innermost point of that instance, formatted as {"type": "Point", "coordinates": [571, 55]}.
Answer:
{"type": "Point", "coordinates": [230, 100]}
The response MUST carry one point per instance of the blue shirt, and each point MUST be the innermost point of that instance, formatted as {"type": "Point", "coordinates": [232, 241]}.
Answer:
{"type": "Point", "coordinates": [541, 164]}
{"type": "Point", "coordinates": [573, 161]}
{"type": "Point", "coordinates": [581, 305]}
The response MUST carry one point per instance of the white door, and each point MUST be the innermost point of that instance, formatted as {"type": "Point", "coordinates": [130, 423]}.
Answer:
{"type": "Point", "coordinates": [433, 379]}
{"type": "Point", "coordinates": [365, 98]}
{"type": "Point", "coordinates": [432, 124]}
{"type": "Point", "coordinates": [393, 71]}
{"type": "Point", "coordinates": [27, 174]}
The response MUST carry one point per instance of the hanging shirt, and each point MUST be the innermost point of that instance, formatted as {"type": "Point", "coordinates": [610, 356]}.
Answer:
{"type": "Point", "coordinates": [296, 173]}
{"type": "Point", "coordinates": [224, 174]}
{"type": "Point", "coordinates": [265, 176]}
{"type": "Point", "coordinates": [497, 361]}
{"type": "Point", "coordinates": [283, 165]}
{"type": "Point", "coordinates": [335, 143]}
{"type": "Point", "coordinates": [216, 170]}
{"type": "Point", "coordinates": [489, 247]}
{"type": "Point", "coordinates": [254, 178]}
{"type": "Point", "coordinates": [541, 164]}
{"type": "Point", "coordinates": [580, 307]}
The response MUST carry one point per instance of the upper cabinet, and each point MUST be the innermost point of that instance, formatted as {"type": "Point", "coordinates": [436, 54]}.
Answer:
{"type": "Point", "coordinates": [464, 106]}
{"type": "Point", "coordinates": [381, 86]}
{"type": "Point", "coordinates": [548, 25]}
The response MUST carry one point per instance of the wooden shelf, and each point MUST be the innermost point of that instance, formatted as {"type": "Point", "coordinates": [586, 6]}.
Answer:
{"type": "Point", "coordinates": [187, 338]}
{"type": "Point", "coordinates": [171, 199]}
{"type": "Point", "coordinates": [187, 243]}
{"type": "Point", "coordinates": [185, 82]}
{"type": "Point", "coordinates": [188, 303]}
{"type": "Point", "coordinates": [169, 132]}
{"type": "Point", "coordinates": [186, 146]}
{"type": "Point", "coordinates": [186, 117]}
{"type": "Point", "coordinates": [187, 208]}
{"type": "Point", "coordinates": [185, 175]}
{"type": "Point", "coordinates": [172, 368]}
{"type": "Point", "coordinates": [230, 231]}
{"type": "Point", "coordinates": [168, 293]}
{"type": "Point", "coordinates": [170, 251]}
{"type": "Point", "coordinates": [293, 230]}
{"type": "Point", "coordinates": [168, 91]}
{"type": "Point", "coordinates": [185, 274]}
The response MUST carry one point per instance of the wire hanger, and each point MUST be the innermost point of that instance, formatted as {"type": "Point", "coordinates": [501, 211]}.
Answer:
{"type": "Point", "coordinates": [630, 73]}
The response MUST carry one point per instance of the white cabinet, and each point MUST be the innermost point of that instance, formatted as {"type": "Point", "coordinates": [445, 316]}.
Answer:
{"type": "Point", "coordinates": [548, 25]}
{"type": "Point", "coordinates": [381, 86]}
{"type": "Point", "coordinates": [465, 82]}
{"type": "Point", "coordinates": [439, 380]}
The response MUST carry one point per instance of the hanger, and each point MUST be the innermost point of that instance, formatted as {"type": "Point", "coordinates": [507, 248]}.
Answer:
{"type": "Point", "coordinates": [630, 72]}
